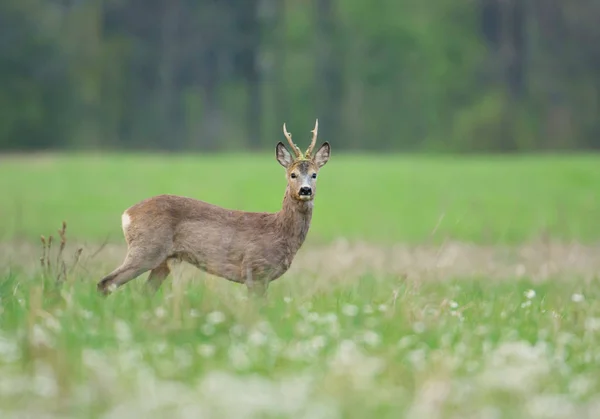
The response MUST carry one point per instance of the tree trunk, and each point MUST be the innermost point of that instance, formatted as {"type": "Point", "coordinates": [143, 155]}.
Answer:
{"type": "Point", "coordinates": [249, 43]}
{"type": "Point", "coordinates": [211, 114]}
{"type": "Point", "coordinates": [279, 58]}
{"type": "Point", "coordinates": [169, 136]}
{"type": "Point", "coordinates": [328, 71]}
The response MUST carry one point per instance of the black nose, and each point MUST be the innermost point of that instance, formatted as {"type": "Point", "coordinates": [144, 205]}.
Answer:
{"type": "Point", "coordinates": [305, 190]}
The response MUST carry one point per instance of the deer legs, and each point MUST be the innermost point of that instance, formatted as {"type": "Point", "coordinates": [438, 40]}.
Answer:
{"type": "Point", "coordinates": [132, 268]}
{"type": "Point", "coordinates": [157, 277]}
{"type": "Point", "coordinates": [257, 287]}
{"type": "Point", "coordinates": [256, 281]}
{"type": "Point", "coordinates": [118, 277]}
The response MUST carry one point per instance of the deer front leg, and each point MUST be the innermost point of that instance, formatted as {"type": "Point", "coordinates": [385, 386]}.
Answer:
{"type": "Point", "coordinates": [257, 286]}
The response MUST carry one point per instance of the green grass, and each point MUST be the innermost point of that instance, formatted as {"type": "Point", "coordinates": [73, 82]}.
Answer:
{"type": "Point", "coordinates": [391, 198]}
{"type": "Point", "coordinates": [363, 347]}
{"type": "Point", "coordinates": [348, 340]}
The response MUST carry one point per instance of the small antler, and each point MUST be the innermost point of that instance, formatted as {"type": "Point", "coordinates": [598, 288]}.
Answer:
{"type": "Point", "coordinates": [295, 148]}
{"type": "Point", "coordinates": [313, 141]}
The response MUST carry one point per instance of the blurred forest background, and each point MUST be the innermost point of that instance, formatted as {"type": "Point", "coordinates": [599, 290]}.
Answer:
{"type": "Point", "coordinates": [435, 75]}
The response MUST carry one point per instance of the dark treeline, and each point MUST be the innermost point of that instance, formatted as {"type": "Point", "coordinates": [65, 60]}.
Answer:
{"type": "Point", "coordinates": [443, 75]}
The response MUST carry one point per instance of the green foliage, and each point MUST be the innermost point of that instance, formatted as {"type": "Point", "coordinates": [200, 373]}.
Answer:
{"type": "Point", "coordinates": [441, 75]}
{"type": "Point", "coordinates": [34, 90]}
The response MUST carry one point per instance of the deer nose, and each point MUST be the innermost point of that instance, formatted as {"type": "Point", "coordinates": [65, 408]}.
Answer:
{"type": "Point", "coordinates": [305, 190]}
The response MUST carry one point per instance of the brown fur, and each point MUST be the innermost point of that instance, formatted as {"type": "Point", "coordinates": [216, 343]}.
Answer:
{"type": "Point", "coordinates": [245, 247]}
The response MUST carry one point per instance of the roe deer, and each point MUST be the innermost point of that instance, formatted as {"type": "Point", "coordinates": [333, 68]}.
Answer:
{"type": "Point", "coordinates": [254, 248]}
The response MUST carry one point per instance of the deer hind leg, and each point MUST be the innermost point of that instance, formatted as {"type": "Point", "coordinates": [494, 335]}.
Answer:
{"type": "Point", "coordinates": [119, 276]}
{"type": "Point", "coordinates": [131, 268]}
{"type": "Point", "coordinates": [157, 277]}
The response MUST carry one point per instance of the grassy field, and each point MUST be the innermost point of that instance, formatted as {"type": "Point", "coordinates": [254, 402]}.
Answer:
{"type": "Point", "coordinates": [376, 198]}
{"type": "Point", "coordinates": [430, 287]}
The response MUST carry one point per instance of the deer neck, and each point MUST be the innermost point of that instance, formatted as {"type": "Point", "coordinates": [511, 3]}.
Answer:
{"type": "Point", "coordinates": [294, 219]}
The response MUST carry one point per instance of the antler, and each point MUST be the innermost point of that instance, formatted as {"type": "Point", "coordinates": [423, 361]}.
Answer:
{"type": "Point", "coordinates": [313, 140]}
{"type": "Point", "coordinates": [295, 148]}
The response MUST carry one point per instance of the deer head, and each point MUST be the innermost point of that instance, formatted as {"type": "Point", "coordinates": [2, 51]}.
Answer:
{"type": "Point", "coordinates": [302, 168]}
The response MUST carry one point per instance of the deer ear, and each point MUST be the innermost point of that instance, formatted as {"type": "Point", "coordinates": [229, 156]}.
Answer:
{"type": "Point", "coordinates": [322, 155]}
{"type": "Point", "coordinates": [283, 156]}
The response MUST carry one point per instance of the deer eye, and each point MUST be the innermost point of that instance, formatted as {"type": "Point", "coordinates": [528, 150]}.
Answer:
{"type": "Point", "coordinates": [314, 175]}
{"type": "Point", "coordinates": [293, 176]}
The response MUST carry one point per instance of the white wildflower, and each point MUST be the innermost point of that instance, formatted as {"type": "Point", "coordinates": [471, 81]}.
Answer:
{"type": "Point", "coordinates": [44, 382]}
{"type": "Point", "coordinates": [275, 345]}
{"type": "Point", "coordinates": [299, 350]}
{"type": "Point", "coordinates": [237, 330]}
{"type": "Point", "coordinates": [304, 329]}
{"type": "Point", "coordinates": [257, 338]}
{"type": "Point", "coordinates": [417, 357]}
{"type": "Point", "coordinates": [215, 317]}
{"type": "Point", "coordinates": [526, 304]}
{"type": "Point", "coordinates": [122, 331]}
{"type": "Point", "coordinates": [287, 300]}
{"type": "Point", "coordinates": [577, 298]}
{"type": "Point", "coordinates": [221, 394]}
{"type": "Point", "coordinates": [86, 314]}
{"type": "Point", "coordinates": [382, 308]}
{"type": "Point", "coordinates": [312, 317]}
{"type": "Point", "coordinates": [530, 294]}
{"type": "Point", "coordinates": [317, 342]}
{"type": "Point", "coordinates": [516, 367]}
{"type": "Point", "coordinates": [350, 310]}
{"type": "Point", "coordinates": [160, 347]}
{"type": "Point", "coordinates": [208, 329]}
{"type": "Point", "coordinates": [457, 314]}
{"type": "Point", "coordinates": [329, 318]}
{"type": "Point", "coordinates": [9, 350]}
{"type": "Point", "coordinates": [351, 362]}
{"type": "Point", "coordinates": [307, 306]}
{"type": "Point", "coordinates": [371, 338]}
{"type": "Point", "coordinates": [347, 346]}
{"type": "Point", "coordinates": [592, 324]}
{"type": "Point", "coordinates": [453, 304]}
{"type": "Point", "coordinates": [481, 330]}
{"type": "Point", "coordinates": [418, 327]}
{"type": "Point", "coordinates": [40, 337]}
{"type": "Point", "coordinates": [551, 406]}
{"type": "Point", "coordinates": [52, 324]}
{"type": "Point", "coordinates": [206, 350]}
{"type": "Point", "coordinates": [160, 312]}
{"type": "Point", "coordinates": [429, 398]}
{"type": "Point", "coordinates": [406, 341]}
{"type": "Point", "coordinates": [238, 357]}
{"type": "Point", "coordinates": [183, 358]}
{"type": "Point", "coordinates": [580, 386]}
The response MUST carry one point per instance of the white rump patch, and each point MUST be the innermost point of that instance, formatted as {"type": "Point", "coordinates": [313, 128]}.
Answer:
{"type": "Point", "coordinates": [125, 221]}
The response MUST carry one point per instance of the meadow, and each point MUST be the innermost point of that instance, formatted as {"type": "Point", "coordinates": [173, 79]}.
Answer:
{"type": "Point", "coordinates": [429, 287]}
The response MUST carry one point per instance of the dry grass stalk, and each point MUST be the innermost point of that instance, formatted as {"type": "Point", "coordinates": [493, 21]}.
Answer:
{"type": "Point", "coordinates": [61, 267]}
